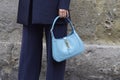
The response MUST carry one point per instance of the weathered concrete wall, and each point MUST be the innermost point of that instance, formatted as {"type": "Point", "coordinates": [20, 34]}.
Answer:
{"type": "Point", "coordinates": [96, 21]}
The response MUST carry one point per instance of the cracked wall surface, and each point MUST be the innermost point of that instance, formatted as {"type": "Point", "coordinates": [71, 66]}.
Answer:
{"type": "Point", "coordinates": [96, 21]}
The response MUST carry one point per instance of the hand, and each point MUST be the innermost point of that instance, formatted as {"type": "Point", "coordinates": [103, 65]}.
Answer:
{"type": "Point", "coordinates": [63, 13]}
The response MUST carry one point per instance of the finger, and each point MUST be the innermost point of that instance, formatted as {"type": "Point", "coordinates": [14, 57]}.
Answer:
{"type": "Point", "coordinates": [62, 13]}
{"type": "Point", "coordinates": [67, 14]}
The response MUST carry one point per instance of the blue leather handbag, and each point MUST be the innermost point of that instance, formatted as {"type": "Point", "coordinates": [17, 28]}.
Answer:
{"type": "Point", "coordinates": [68, 46]}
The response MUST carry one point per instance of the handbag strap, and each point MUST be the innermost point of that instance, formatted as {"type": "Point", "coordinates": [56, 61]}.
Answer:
{"type": "Point", "coordinates": [55, 20]}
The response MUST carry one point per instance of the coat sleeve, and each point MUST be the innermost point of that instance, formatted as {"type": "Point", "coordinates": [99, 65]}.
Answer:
{"type": "Point", "coordinates": [64, 4]}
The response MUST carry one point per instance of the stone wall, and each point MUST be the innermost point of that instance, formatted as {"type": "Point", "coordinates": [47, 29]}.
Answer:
{"type": "Point", "coordinates": [96, 21]}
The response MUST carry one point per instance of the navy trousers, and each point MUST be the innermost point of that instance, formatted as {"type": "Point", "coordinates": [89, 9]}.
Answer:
{"type": "Point", "coordinates": [31, 53]}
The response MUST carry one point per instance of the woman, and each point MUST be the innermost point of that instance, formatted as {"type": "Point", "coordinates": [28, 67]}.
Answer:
{"type": "Point", "coordinates": [37, 17]}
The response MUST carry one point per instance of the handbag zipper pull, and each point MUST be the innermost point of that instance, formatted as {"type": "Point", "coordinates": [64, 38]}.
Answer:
{"type": "Point", "coordinates": [67, 43]}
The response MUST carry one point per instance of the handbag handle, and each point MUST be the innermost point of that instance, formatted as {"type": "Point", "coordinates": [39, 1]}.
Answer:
{"type": "Point", "coordinates": [55, 20]}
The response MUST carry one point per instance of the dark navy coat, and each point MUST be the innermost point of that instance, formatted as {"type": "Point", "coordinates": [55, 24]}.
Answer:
{"type": "Point", "coordinates": [40, 11]}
